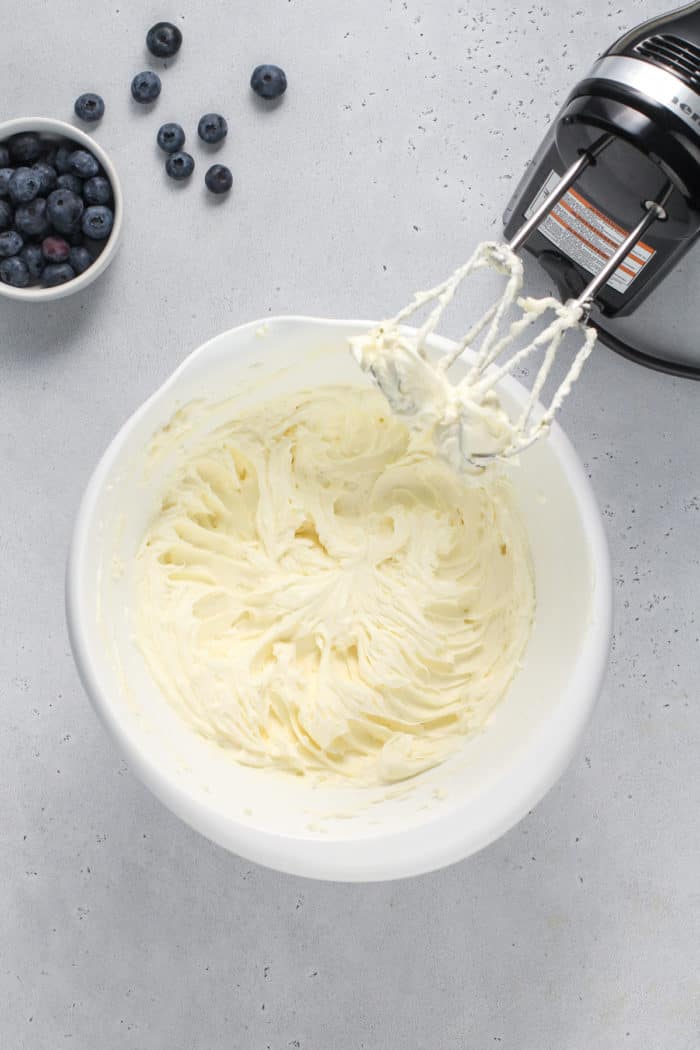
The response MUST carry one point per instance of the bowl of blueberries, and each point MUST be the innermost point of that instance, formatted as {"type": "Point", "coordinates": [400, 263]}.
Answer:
{"type": "Point", "coordinates": [60, 209]}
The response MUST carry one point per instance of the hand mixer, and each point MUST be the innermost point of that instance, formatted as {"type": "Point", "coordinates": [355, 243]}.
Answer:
{"type": "Point", "coordinates": [609, 205]}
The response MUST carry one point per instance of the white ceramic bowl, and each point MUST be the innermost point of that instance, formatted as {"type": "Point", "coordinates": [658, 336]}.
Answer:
{"type": "Point", "coordinates": [342, 833]}
{"type": "Point", "coordinates": [59, 128]}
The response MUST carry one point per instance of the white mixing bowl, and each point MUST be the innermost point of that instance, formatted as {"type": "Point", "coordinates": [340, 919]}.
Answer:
{"type": "Point", "coordinates": [337, 833]}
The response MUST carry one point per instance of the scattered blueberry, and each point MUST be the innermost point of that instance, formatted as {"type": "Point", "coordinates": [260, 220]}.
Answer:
{"type": "Point", "coordinates": [80, 258]}
{"type": "Point", "coordinates": [5, 176]}
{"type": "Point", "coordinates": [145, 87]}
{"type": "Point", "coordinates": [171, 138]}
{"type": "Point", "coordinates": [47, 176]}
{"type": "Point", "coordinates": [10, 243]}
{"type": "Point", "coordinates": [83, 163]}
{"type": "Point", "coordinates": [24, 185]}
{"type": "Point", "coordinates": [70, 182]}
{"type": "Point", "coordinates": [57, 273]}
{"type": "Point", "coordinates": [219, 179]}
{"type": "Point", "coordinates": [64, 209]}
{"type": "Point", "coordinates": [98, 222]}
{"type": "Point", "coordinates": [179, 165]}
{"type": "Point", "coordinates": [164, 40]}
{"type": "Point", "coordinates": [5, 215]}
{"type": "Point", "coordinates": [31, 219]}
{"type": "Point", "coordinates": [33, 258]}
{"type": "Point", "coordinates": [25, 148]}
{"type": "Point", "coordinates": [269, 82]}
{"type": "Point", "coordinates": [4, 157]}
{"type": "Point", "coordinates": [97, 191]}
{"type": "Point", "coordinates": [212, 128]}
{"type": "Point", "coordinates": [89, 107]}
{"type": "Point", "coordinates": [14, 272]}
{"type": "Point", "coordinates": [55, 249]}
{"type": "Point", "coordinates": [62, 159]}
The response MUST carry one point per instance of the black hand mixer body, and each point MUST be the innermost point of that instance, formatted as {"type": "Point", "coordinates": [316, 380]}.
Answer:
{"type": "Point", "coordinates": [629, 133]}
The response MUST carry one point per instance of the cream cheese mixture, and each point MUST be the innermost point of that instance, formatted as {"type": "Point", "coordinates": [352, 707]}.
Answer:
{"type": "Point", "coordinates": [322, 594]}
{"type": "Point", "coordinates": [460, 422]}
{"type": "Point", "coordinates": [465, 418]}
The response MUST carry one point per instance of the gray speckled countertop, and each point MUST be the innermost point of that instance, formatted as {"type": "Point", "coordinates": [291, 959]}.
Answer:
{"type": "Point", "coordinates": [395, 150]}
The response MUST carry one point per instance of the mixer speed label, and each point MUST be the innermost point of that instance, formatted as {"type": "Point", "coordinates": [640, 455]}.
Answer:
{"type": "Point", "coordinates": [588, 236]}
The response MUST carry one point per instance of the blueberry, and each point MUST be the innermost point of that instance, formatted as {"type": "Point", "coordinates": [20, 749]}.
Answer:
{"type": "Point", "coordinates": [80, 259]}
{"type": "Point", "coordinates": [10, 243]}
{"type": "Point", "coordinates": [25, 148]}
{"type": "Point", "coordinates": [145, 87]}
{"type": "Point", "coordinates": [13, 271]}
{"type": "Point", "coordinates": [179, 165]}
{"type": "Point", "coordinates": [64, 209]}
{"type": "Point", "coordinates": [212, 128]}
{"type": "Point", "coordinates": [218, 179]}
{"type": "Point", "coordinates": [97, 191]}
{"type": "Point", "coordinates": [55, 249]}
{"type": "Point", "coordinates": [57, 273]}
{"type": "Point", "coordinates": [98, 222]}
{"type": "Point", "coordinates": [47, 176]}
{"type": "Point", "coordinates": [4, 157]}
{"type": "Point", "coordinates": [62, 159]}
{"type": "Point", "coordinates": [5, 176]}
{"type": "Point", "coordinates": [89, 107]}
{"type": "Point", "coordinates": [24, 185]}
{"type": "Point", "coordinates": [70, 182]}
{"type": "Point", "coordinates": [31, 219]}
{"type": "Point", "coordinates": [5, 215]}
{"type": "Point", "coordinates": [170, 138]}
{"type": "Point", "coordinates": [163, 40]}
{"type": "Point", "coordinates": [83, 163]}
{"type": "Point", "coordinates": [33, 258]}
{"type": "Point", "coordinates": [269, 82]}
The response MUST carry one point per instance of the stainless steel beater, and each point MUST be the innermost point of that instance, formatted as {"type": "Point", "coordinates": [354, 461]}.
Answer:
{"type": "Point", "coordinates": [621, 161]}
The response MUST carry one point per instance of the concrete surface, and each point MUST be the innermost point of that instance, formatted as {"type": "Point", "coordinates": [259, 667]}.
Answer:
{"type": "Point", "coordinates": [396, 149]}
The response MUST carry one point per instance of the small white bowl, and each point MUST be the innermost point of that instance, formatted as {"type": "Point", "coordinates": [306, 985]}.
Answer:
{"type": "Point", "coordinates": [59, 128]}
{"type": "Point", "coordinates": [341, 833]}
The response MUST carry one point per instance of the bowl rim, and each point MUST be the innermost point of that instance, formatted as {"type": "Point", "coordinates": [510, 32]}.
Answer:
{"type": "Point", "coordinates": [402, 852]}
{"type": "Point", "coordinates": [53, 126]}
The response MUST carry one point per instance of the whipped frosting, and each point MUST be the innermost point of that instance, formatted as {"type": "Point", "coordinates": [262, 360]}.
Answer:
{"type": "Point", "coordinates": [466, 420]}
{"type": "Point", "coordinates": [320, 593]}
{"type": "Point", "coordinates": [461, 422]}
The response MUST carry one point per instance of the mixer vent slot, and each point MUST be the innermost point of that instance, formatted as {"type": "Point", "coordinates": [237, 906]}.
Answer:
{"type": "Point", "coordinates": [674, 54]}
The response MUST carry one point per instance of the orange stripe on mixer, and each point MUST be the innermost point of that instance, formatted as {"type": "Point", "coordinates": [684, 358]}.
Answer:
{"type": "Point", "coordinates": [606, 218]}
{"type": "Point", "coordinates": [588, 244]}
{"type": "Point", "coordinates": [598, 233]}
